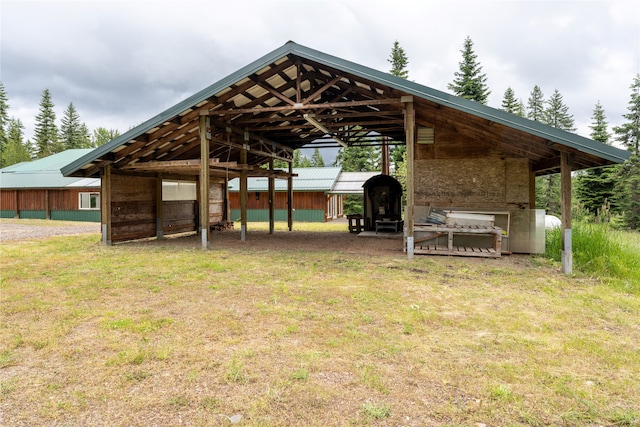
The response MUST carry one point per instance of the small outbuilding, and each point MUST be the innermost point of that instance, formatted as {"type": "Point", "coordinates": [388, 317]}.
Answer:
{"type": "Point", "coordinates": [38, 190]}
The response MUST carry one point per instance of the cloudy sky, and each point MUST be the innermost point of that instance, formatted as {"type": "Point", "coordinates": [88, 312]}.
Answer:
{"type": "Point", "coordinates": [122, 62]}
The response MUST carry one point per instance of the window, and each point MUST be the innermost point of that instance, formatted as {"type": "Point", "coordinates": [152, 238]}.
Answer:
{"type": "Point", "coordinates": [89, 201]}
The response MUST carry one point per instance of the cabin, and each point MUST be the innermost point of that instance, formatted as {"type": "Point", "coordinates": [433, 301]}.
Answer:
{"type": "Point", "coordinates": [313, 197]}
{"type": "Point", "coordinates": [37, 190]}
{"type": "Point", "coordinates": [461, 156]}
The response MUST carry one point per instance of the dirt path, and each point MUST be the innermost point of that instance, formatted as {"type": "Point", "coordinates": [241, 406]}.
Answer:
{"type": "Point", "coordinates": [11, 229]}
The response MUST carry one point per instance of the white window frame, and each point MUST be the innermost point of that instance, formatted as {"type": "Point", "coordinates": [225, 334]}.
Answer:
{"type": "Point", "coordinates": [88, 196]}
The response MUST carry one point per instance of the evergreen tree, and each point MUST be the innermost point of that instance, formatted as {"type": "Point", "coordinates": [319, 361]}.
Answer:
{"type": "Point", "coordinates": [629, 133]}
{"type": "Point", "coordinates": [300, 160]}
{"type": "Point", "coordinates": [4, 121]}
{"type": "Point", "coordinates": [316, 160]}
{"type": "Point", "coordinates": [358, 159]}
{"type": "Point", "coordinates": [46, 132]}
{"type": "Point", "coordinates": [73, 133]}
{"type": "Point", "coordinates": [535, 105]}
{"type": "Point", "coordinates": [398, 61]}
{"type": "Point", "coordinates": [103, 135]}
{"type": "Point", "coordinates": [470, 82]}
{"type": "Point", "coordinates": [596, 187]}
{"type": "Point", "coordinates": [557, 113]}
{"type": "Point", "coordinates": [629, 177]}
{"type": "Point", "coordinates": [15, 150]}
{"type": "Point", "coordinates": [509, 101]}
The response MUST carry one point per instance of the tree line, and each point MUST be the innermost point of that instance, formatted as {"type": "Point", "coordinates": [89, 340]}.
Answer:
{"type": "Point", "coordinates": [48, 138]}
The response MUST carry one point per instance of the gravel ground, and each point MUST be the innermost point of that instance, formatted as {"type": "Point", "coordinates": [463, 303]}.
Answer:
{"type": "Point", "coordinates": [11, 230]}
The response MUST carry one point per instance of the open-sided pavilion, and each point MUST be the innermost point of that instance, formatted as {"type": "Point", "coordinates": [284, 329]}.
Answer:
{"type": "Point", "coordinates": [459, 153]}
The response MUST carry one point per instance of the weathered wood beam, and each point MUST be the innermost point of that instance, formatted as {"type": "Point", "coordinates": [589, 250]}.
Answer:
{"type": "Point", "coordinates": [410, 137]}
{"type": "Point", "coordinates": [204, 183]}
{"type": "Point", "coordinates": [345, 104]}
{"type": "Point", "coordinates": [566, 161]}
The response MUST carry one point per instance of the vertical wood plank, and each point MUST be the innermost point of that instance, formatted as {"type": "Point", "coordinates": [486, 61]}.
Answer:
{"type": "Point", "coordinates": [47, 211]}
{"type": "Point", "coordinates": [272, 197]}
{"type": "Point", "coordinates": [159, 209]}
{"type": "Point", "coordinates": [204, 182]}
{"type": "Point", "coordinates": [290, 197]}
{"type": "Point", "coordinates": [565, 185]}
{"type": "Point", "coordinates": [243, 195]}
{"type": "Point", "coordinates": [105, 205]}
{"type": "Point", "coordinates": [409, 128]}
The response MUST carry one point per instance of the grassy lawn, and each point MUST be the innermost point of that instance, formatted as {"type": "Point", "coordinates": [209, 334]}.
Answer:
{"type": "Point", "coordinates": [165, 335]}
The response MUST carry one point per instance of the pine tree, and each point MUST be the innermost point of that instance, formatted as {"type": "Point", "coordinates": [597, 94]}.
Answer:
{"type": "Point", "coordinates": [470, 82]}
{"type": "Point", "coordinates": [4, 121]}
{"type": "Point", "coordinates": [46, 132]}
{"type": "Point", "coordinates": [596, 187]}
{"type": "Point", "coordinates": [557, 113]}
{"type": "Point", "coordinates": [358, 159]}
{"type": "Point", "coordinates": [316, 159]}
{"type": "Point", "coordinates": [300, 160]}
{"type": "Point", "coordinates": [398, 61]}
{"type": "Point", "coordinates": [629, 133]}
{"type": "Point", "coordinates": [15, 150]}
{"type": "Point", "coordinates": [535, 105]}
{"type": "Point", "coordinates": [510, 104]}
{"type": "Point", "coordinates": [73, 133]}
{"type": "Point", "coordinates": [629, 177]}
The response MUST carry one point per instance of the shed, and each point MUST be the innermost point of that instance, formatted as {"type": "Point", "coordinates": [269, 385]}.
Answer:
{"type": "Point", "coordinates": [460, 154]}
{"type": "Point", "coordinates": [38, 190]}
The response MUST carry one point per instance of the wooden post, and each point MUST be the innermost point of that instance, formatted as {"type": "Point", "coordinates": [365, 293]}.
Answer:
{"type": "Point", "coordinates": [290, 197]}
{"type": "Point", "coordinates": [47, 212]}
{"type": "Point", "coordinates": [105, 205]}
{"type": "Point", "coordinates": [243, 193]}
{"type": "Point", "coordinates": [384, 152]}
{"type": "Point", "coordinates": [204, 181]}
{"type": "Point", "coordinates": [17, 215]}
{"type": "Point", "coordinates": [272, 198]}
{"type": "Point", "coordinates": [159, 209]}
{"type": "Point", "coordinates": [409, 128]}
{"type": "Point", "coordinates": [566, 160]}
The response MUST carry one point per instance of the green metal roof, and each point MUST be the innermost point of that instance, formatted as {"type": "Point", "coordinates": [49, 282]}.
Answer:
{"type": "Point", "coordinates": [308, 179]}
{"type": "Point", "coordinates": [45, 173]}
{"type": "Point", "coordinates": [560, 137]}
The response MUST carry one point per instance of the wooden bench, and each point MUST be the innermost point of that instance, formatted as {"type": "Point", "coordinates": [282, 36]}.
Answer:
{"type": "Point", "coordinates": [355, 223]}
{"type": "Point", "coordinates": [422, 245]}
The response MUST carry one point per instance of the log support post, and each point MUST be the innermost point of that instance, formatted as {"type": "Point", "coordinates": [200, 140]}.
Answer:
{"type": "Point", "coordinates": [566, 159]}
{"type": "Point", "coordinates": [409, 128]}
{"type": "Point", "coordinates": [290, 197]}
{"type": "Point", "coordinates": [159, 209]}
{"type": "Point", "coordinates": [243, 189]}
{"type": "Point", "coordinates": [204, 181]}
{"type": "Point", "coordinates": [272, 198]}
{"type": "Point", "coordinates": [105, 205]}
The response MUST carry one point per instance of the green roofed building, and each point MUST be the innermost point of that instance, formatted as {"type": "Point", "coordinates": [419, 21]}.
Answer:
{"type": "Point", "coordinates": [318, 194]}
{"type": "Point", "coordinates": [38, 190]}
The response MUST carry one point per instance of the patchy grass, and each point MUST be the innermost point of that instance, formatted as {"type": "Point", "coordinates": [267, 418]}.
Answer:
{"type": "Point", "coordinates": [164, 334]}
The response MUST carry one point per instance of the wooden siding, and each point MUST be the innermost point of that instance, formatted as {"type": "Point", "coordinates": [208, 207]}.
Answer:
{"type": "Point", "coordinates": [41, 200]}
{"type": "Point", "coordinates": [133, 207]}
{"type": "Point", "coordinates": [180, 216]}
